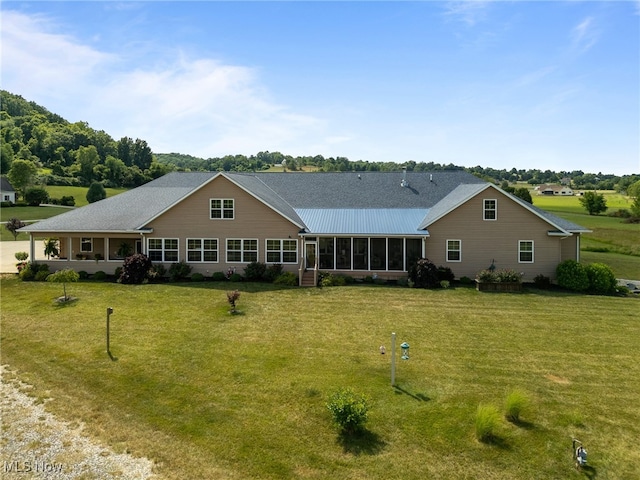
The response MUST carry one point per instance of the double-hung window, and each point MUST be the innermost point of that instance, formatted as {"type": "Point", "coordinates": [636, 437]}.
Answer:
{"type": "Point", "coordinates": [202, 249]}
{"type": "Point", "coordinates": [86, 244]}
{"type": "Point", "coordinates": [454, 250]}
{"type": "Point", "coordinates": [221, 208]}
{"type": "Point", "coordinates": [490, 209]}
{"type": "Point", "coordinates": [282, 251]}
{"type": "Point", "coordinates": [242, 250]}
{"type": "Point", "coordinates": [525, 251]}
{"type": "Point", "coordinates": [163, 249]}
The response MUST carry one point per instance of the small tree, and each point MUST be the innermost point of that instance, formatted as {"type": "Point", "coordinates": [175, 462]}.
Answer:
{"type": "Point", "coordinates": [13, 225]}
{"type": "Point", "coordinates": [96, 192]}
{"type": "Point", "coordinates": [232, 298]}
{"type": "Point", "coordinates": [64, 276]}
{"type": "Point", "coordinates": [22, 260]}
{"type": "Point", "coordinates": [593, 202]}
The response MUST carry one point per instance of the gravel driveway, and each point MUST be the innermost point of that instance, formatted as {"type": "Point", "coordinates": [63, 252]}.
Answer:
{"type": "Point", "coordinates": [36, 445]}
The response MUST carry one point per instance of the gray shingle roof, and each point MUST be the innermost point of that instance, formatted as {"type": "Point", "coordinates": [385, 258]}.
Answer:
{"type": "Point", "coordinates": [5, 185]}
{"type": "Point", "coordinates": [358, 203]}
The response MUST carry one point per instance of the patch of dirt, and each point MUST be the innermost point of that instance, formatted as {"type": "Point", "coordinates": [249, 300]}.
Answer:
{"type": "Point", "coordinates": [556, 379]}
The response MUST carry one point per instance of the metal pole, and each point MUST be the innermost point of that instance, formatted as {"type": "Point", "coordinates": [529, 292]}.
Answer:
{"type": "Point", "coordinates": [393, 359]}
{"type": "Point", "coordinates": [109, 312]}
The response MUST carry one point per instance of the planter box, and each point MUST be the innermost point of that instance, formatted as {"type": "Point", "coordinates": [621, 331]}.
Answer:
{"type": "Point", "coordinates": [498, 286]}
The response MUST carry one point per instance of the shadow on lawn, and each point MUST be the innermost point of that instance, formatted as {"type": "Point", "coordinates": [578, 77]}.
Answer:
{"type": "Point", "coordinates": [361, 442]}
{"type": "Point", "coordinates": [589, 472]}
{"type": "Point", "coordinates": [421, 397]}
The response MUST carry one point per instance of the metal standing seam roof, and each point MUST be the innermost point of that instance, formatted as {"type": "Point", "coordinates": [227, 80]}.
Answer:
{"type": "Point", "coordinates": [363, 221]}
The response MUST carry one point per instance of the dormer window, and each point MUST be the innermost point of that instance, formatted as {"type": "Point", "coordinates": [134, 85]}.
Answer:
{"type": "Point", "coordinates": [222, 208]}
{"type": "Point", "coordinates": [490, 209]}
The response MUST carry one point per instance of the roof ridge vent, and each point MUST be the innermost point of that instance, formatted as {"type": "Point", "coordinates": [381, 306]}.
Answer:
{"type": "Point", "coordinates": [404, 182]}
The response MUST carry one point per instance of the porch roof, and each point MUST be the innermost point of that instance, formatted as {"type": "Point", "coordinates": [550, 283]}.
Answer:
{"type": "Point", "coordinates": [363, 221]}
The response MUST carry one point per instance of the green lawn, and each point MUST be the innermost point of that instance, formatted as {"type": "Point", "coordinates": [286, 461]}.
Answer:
{"type": "Point", "coordinates": [209, 395]}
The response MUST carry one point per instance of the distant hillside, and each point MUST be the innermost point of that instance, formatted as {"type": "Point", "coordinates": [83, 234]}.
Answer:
{"type": "Point", "coordinates": [75, 154]}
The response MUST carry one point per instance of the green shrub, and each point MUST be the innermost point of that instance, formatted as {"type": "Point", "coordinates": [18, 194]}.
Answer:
{"type": "Point", "coordinates": [602, 280]}
{"type": "Point", "coordinates": [197, 277]}
{"type": "Point", "coordinates": [218, 277]}
{"type": "Point", "coordinates": [254, 271]}
{"type": "Point", "coordinates": [488, 276]}
{"type": "Point", "coordinates": [179, 271]}
{"type": "Point", "coordinates": [445, 274]}
{"type": "Point", "coordinates": [424, 274]}
{"type": "Point", "coordinates": [508, 276]}
{"type": "Point", "coordinates": [135, 269]}
{"type": "Point", "coordinates": [487, 423]}
{"type": "Point", "coordinates": [34, 196]}
{"type": "Point", "coordinates": [100, 276]}
{"type": "Point", "coordinates": [542, 282]}
{"type": "Point", "coordinates": [272, 272]}
{"type": "Point", "coordinates": [445, 283]}
{"type": "Point", "coordinates": [83, 275]}
{"type": "Point", "coordinates": [330, 280]}
{"type": "Point", "coordinates": [514, 405]}
{"type": "Point", "coordinates": [572, 276]}
{"type": "Point", "coordinates": [31, 270]}
{"type": "Point", "coordinates": [235, 277]}
{"type": "Point", "coordinates": [118, 273]}
{"type": "Point", "coordinates": [287, 278]}
{"type": "Point", "coordinates": [42, 275]}
{"type": "Point", "coordinates": [157, 273]}
{"type": "Point", "coordinates": [465, 281]}
{"type": "Point", "coordinates": [349, 410]}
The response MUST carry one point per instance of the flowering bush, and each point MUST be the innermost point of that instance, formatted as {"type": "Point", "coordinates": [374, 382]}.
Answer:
{"type": "Point", "coordinates": [498, 276]}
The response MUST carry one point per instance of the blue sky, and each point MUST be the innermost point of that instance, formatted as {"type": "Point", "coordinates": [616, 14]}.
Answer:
{"type": "Point", "coordinates": [547, 85]}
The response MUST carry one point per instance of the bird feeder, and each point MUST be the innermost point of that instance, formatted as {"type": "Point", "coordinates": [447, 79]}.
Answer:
{"type": "Point", "coordinates": [405, 350]}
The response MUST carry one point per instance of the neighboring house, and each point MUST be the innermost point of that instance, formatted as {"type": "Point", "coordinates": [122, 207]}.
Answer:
{"type": "Point", "coordinates": [553, 190]}
{"type": "Point", "coordinates": [360, 224]}
{"type": "Point", "coordinates": [7, 193]}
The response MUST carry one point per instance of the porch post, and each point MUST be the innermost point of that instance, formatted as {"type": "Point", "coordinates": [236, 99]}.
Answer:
{"type": "Point", "coordinates": [32, 248]}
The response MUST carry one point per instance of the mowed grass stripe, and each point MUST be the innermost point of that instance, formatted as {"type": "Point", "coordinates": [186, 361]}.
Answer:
{"type": "Point", "coordinates": [207, 394]}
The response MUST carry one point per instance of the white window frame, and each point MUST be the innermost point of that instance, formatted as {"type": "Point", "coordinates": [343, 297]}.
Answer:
{"type": "Point", "coordinates": [281, 250]}
{"type": "Point", "coordinates": [451, 250]}
{"type": "Point", "coordinates": [202, 250]}
{"type": "Point", "coordinates": [222, 209]}
{"type": "Point", "coordinates": [521, 251]}
{"type": "Point", "coordinates": [86, 241]}
{"type": "Point", "coordinates": [244, 251]}
{"type": "Point", "coordinates": [164, 250]}
{"type": "Point", "coordinates": [486, 209]}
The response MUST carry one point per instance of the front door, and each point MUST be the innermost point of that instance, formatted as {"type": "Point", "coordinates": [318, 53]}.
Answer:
{"type": "Point", "coordinates": [310, 254]}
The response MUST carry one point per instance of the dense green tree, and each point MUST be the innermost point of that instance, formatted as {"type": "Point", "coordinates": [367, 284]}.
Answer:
{"type": "Point", "coordinates": [87, 158]}
{"type": "Point", "coordinates": [96, 192]}
{"type": "Point", "coordinates": [6, 157]}
{"type": "Point", "coordinates": [524, 194]}
{"type": "Point", "coordinates": [21, 174]}
{"type": "Point", "coordinates": [593, 202]}
{"type": "Point", "coordinates": [34, 196]}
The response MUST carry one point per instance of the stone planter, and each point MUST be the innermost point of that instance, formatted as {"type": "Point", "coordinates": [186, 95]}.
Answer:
{"type": "Point", "coordinates": [498, 286]}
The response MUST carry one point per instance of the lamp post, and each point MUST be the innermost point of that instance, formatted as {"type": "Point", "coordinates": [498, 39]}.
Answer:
{"type": "Point", "coordinates": [109, 312]}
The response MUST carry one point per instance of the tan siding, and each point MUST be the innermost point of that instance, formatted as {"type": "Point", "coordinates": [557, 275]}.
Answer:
{"type": "Point", "coordinates": [253, 220]}
{"type": "Point", "coordinates": [484, 240]}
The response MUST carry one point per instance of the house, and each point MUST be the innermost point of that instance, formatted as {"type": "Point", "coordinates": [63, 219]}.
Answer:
{"type": "Point", "coordinates": [553, 190]}
{"type": "Point", "coordinates": [360, 224]}
{"type": "Point", "coordinates": [7, 193]}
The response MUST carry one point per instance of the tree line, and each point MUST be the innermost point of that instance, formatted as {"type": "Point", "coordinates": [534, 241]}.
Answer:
{"type": "Point", "coordinates": [42, 148]}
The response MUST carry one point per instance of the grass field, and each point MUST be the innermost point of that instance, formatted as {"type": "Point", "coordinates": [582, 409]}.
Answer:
{"type": "Point", "coordinates": [206, 394]}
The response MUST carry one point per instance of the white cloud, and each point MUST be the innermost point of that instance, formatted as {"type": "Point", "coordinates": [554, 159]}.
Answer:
{"type": "Point", "coordinates": [584, 35]}
{"type": "Point", "coordinates": [470, 12]}
{"type": "Point", "coordinates": [196, 106]}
